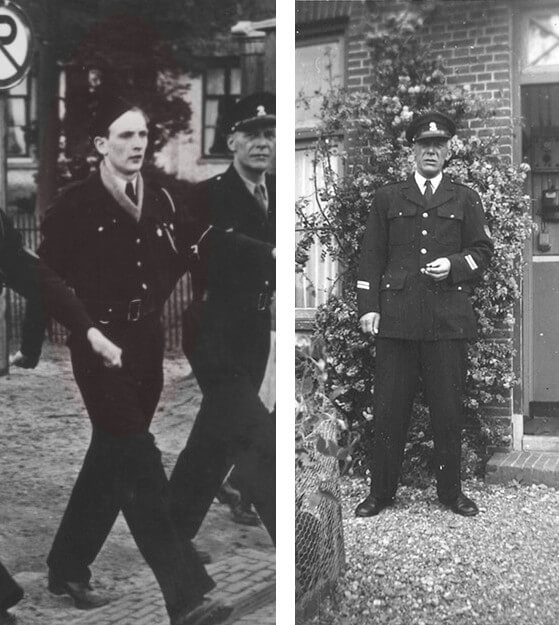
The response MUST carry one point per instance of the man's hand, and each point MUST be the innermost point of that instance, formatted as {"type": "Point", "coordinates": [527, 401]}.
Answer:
{"type": "Point", "coordinates": [19, 359]}
{"type": "Point", "coordinates": [370, 322]}
{"type": "Point", "coordinates": [438, 269]}
{"type": "Point", "coordinates": [109, 352]}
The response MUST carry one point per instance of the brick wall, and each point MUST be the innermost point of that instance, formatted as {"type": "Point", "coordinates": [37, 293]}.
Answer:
{"type": "Point", "coordinates": [475, 40]}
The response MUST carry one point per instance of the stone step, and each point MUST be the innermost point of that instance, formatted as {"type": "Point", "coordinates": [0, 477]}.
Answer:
{"type": "Point", "coordinates": [540, 443]}
{"type": "Point", "coordinates": [526, 467]}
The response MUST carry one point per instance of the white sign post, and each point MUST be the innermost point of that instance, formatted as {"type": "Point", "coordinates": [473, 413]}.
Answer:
{"type": "Point", "coordinates": [16, 42]}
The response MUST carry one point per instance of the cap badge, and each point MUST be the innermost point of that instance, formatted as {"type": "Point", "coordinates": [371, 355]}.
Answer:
{"type": "Point", "coordinates": [433, 127]}
{"type": "Point", "coordinates": [260, 110]}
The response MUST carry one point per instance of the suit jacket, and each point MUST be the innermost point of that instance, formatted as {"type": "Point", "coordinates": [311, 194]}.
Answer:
{"type": "Point", "coordinates": [403, 235]}
{"type": "Point", "coordinates": [236, 262]}
{"type": "Point", "coordinates": [103, 253]}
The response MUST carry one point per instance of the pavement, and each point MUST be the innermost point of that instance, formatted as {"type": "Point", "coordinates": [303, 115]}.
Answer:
{"type": "Point", "coordinates": [45, 433]}
{"type": "Point", "coordinates": [245, 580]}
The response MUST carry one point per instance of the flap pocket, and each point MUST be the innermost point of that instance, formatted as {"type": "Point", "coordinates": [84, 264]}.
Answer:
{"type": "Point", "coordinates": [393, 280]}
{"type": "Point", "coordinates": [448, 211]}
{"type": "Point", "coordinates": [401, 211]}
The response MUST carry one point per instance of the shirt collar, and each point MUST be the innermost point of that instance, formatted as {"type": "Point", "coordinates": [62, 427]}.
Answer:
{"type": "Point", "coordinates": [251, 186]}
{"type": "Point", "coordinates": [420, 181]}
{"type": "Point", "coordinates": [119, 181]}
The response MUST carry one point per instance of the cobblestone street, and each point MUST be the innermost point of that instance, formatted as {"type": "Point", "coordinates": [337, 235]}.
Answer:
{"type": "Point", "coordinates": [45, 432]}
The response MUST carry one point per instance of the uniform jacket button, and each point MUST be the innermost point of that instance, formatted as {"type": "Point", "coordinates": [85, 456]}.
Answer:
{"type": "Point", "coordinates": [425, 215]}
{"type": "Point", "coordinates": [423, 250]}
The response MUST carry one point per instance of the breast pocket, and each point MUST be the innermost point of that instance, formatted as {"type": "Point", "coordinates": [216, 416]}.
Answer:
{"type": "Point", "coordinates": [448, 229]}
{"type": "Point", "coordinates": [401, 224]}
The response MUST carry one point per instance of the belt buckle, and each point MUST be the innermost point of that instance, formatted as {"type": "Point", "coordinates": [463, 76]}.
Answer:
{"type": "Point", "coordinates": [134, 309]}
{"type": "Point", "coordinates": [263, 301]}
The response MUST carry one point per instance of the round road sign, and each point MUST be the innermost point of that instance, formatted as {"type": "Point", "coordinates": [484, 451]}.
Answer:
{"type": "Point", "coordinates": [15, 45]}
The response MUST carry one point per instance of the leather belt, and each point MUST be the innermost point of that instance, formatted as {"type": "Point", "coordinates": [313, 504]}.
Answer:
{"type": "Point", "coordinates": [131, 310]}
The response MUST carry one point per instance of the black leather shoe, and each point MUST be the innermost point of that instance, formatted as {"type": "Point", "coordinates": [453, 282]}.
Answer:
{"type": "Point", "coordinates": [85, 598]}
{"type": "Point", "coordinates": [244, 514]}
{"type": "Point", "coordinates": [228, 495]}
{"type": "Point", "coordinates": [463, 505]}
{"type": "Point", "coordinates": [371, 506]}
{"type": "Point", "coordinates": [205, 556]}
{"type": "Point", "coordinates": [208, 612]}
{"type": "Point", "coordinates": [13, 597]}
{"type": "Point", "coordinates": [7, 619]}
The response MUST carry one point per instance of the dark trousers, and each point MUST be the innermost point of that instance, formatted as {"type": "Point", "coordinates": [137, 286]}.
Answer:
{"type": "Point", "coordinates": [228, 352]}
{"type": "Point", "coordinates": [400, 366]}
{"type": "Point", "coordinates": [122, 471]}
{"type": "Point", "coordinates": [10, 591]}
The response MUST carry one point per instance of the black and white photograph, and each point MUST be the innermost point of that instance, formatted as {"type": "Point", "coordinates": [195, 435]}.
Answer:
{"type": "Point", "coordinates": [137, 313]}
{"type": "Point", "coordinates": [426, 299]}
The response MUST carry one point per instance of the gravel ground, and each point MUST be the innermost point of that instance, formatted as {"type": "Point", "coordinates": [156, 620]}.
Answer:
{"type": "Point", "coordinates": [417, 563]}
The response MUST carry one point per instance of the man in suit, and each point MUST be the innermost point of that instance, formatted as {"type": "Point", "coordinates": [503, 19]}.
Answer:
{"type": "Point", "coordinates": [425, 245]}
{"type": "Point", "coordinates": [226, 331]}
{"type": "Point", "coordinates": [23, 272]}
{"type": "Point", "coordinates": [113, 238]}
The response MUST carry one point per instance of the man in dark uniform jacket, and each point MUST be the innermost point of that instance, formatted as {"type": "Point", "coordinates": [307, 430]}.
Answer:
{"type": "Point", "coordinates": [23, 272]}
{"type": "Point", "coordinates": [425, 245]}
{"type": "Point", "coordinates": [112, 238]}
{"type": "Point", "coordinates": [226, 331]}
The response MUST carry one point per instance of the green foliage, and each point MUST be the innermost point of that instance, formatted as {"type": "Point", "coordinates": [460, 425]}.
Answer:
{"type": "Point", "coordinates": [408, 81]}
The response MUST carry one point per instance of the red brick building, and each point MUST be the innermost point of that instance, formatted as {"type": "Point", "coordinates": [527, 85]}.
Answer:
{"type": "Point", "coordinates": [506, 51]}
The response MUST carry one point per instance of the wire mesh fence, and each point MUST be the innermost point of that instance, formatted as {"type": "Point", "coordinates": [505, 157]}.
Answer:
{"type": "Point", "coordinates": [319, 543]}
{"type": "Point", "coordinates": [27, 225]}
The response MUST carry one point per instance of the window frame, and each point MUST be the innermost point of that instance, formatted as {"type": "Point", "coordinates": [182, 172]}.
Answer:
{"type": "Point", "coordinates": [312, 36]}
{"type": "Point", "coordinates": [305, 135]}
{"type": "Point", "coordinates": [534, 73]}
{"type": "Point", "coordinates": [30, 116]}
{"type": "Point", "coordinates": [228, 63]}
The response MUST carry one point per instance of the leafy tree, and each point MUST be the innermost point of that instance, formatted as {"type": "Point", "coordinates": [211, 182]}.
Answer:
{"type": "Point", "coordinates": [409, 80]}
{"type": "Point", "coordinates": [140, 47]}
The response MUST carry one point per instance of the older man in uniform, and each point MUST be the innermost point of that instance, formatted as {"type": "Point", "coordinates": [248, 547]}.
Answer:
{"type": "Point", "coordinates": [24, 273]}
{"type": "Point", "coordinates": [112, 238]}
{"type": "Point", "coordinates": [425, 245]}
{"type": "Point", "coordinates": [226, 331]}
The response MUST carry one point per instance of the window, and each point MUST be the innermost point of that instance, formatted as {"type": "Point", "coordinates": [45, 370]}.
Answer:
{"type": "Point", "coordinates": [20, 118]}
{"type": "Point", "coordinates": [320, 67]}
{"type": "Point", "coordinates": [222, 88]}
{"type": "Point", "coordinates": [540, 43]}
{"type": "Point", "coordinates": [318, 281]}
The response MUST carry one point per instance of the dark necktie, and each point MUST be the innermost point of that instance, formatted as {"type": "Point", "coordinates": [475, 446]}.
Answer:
{"type": "Point", "coordinates": [428, 195]}
{"type": "Point", "coordinates": [129, 190]}
{"type": "Point", "coordinates": [261, 199]}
